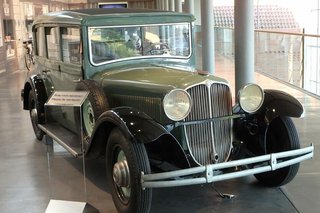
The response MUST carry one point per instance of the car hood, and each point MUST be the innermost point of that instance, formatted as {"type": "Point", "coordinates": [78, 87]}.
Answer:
{"type": "Point", "coordinates": [144, 88]}
{"type": "Point", "coordinates": [155, 78]}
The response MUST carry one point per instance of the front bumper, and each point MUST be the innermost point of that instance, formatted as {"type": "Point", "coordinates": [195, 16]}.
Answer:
{"type": "Point", "coordinates": [213, 172]}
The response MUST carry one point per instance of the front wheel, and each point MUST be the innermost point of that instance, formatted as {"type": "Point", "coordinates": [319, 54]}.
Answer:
{"type": "Point", "coordinates": [281, 136]}
{"type": "Point", "coordinates": [125, 160]}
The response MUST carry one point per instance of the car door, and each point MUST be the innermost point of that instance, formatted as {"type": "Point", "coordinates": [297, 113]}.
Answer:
{"type": "Point", "coordinates": [61, 69]}
{"type": "Point", "coordinates": [70, 68]}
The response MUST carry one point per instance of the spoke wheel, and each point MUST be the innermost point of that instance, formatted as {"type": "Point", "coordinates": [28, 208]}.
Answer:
{"type": "Point", "coordinates": [281, 136]}
{"type": "Point", "coordinates": [34, 115]}
{"type": "Point", "coordinates": [125, 160]}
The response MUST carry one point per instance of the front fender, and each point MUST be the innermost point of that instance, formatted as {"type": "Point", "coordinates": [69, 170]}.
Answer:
{"type": "Point", "coordinates": [133, 124]}
{"type": "Point", "coordinates": [278, 103]}
{"type": "Point", "coordinates": [138, 128]}
{"type": "Point", "coordinates": [252, 128]}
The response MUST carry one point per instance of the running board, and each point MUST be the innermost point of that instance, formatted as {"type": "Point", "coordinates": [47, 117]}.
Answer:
{"type": "Point", "coordinates": [64, 137]}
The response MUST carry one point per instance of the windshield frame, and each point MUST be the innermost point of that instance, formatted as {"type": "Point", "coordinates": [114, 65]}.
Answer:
{"type": "Point", "coordinates": [142, 56]}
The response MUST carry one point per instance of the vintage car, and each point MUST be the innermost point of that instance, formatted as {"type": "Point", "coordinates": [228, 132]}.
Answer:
{"type": "Point", "coordinates": [157, 120]}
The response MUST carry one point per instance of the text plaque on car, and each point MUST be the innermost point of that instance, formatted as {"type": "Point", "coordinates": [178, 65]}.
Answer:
{"type": "Point", "coordinates": [67, 98]}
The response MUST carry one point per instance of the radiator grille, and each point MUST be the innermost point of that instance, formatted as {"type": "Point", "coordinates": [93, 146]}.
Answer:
{"type": "Point", "coordinates": [209, 142]}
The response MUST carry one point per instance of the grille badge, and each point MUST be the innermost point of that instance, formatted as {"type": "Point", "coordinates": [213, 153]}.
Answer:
{"type": "Point", "coordinates": [214, 157]}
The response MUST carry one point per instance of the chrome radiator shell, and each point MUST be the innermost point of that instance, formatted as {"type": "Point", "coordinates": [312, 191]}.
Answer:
{"type": "Point", "coordinates": [209, 142]}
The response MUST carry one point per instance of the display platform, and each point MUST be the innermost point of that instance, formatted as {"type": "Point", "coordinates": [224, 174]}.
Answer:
{"type": "Point", "coordinates": [63, 206]}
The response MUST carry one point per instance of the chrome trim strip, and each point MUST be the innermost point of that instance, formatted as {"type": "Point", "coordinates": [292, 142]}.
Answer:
{"type": "Point", "coordinates": [206, 82]}
{"type": "Point", "coordinates": [209, 87]}
{"type": "Point", "coordinates": [210, 173]}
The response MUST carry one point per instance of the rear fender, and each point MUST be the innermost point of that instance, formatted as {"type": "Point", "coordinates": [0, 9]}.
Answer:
{"type": "Point", "coordinates": [36, 84]}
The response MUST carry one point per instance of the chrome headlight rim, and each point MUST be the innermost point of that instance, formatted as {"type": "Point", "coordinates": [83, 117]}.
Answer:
{"type": "Point", "coordinates": [185, 113]}
{"type": "Point", "coordinates": [243, 96]}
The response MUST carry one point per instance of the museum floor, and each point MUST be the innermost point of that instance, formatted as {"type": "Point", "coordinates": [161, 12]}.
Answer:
{"type": "Point", "coordinates": [32, 173]}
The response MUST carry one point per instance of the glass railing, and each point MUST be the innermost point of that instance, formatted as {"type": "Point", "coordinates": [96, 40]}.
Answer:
{"type": "Point", "coordinates": [290, 57]}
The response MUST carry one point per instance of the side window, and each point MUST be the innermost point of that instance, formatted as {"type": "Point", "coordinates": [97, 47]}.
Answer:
{"type": "Point", "coordinates": [40, 42]}
{"type": "Point", "coordinates": [52, 43]}
{"type": "Point", "coordinates": [70, 39]}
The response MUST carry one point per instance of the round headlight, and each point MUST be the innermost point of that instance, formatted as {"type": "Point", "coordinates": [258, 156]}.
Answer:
{"type": "Point", "coordinates": [251, 98]}
{"type": "Point", "coordinates": [177, 104]}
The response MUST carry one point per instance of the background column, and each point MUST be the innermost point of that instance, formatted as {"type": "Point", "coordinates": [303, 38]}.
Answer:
{"type": "Point", "coordinates": [178, 5]}
{"type": "Point", "coordinates": [171, 5]}
{"type": "Point", "coordinates": [244, 42]}
{"type": "Point", "coordinates": [189, 6]}
{"type": "Point", "coordinates": [207, 28]}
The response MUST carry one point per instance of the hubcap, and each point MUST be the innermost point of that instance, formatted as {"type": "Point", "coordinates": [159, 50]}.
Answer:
{"type": "Point", "coordinates": [121, 174]}
{"type": "Point", "coordinates": [34, 114]}
{"type": "Point", "coordinates": [88, 117]}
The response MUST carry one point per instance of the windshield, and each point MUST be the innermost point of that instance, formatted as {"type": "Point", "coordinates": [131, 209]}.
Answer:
{"type": "Point", "coordinates": [117, 43]}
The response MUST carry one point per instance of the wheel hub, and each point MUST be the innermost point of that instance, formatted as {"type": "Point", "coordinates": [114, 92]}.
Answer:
{"type": "Point", "coordinates": [121, 174]}
{"type": "Point", "coordinates": [34, 114]}
{"type": "Point", "coordinates": [88, 117]}
{"type": "Point", "coordinates": [91, 117]}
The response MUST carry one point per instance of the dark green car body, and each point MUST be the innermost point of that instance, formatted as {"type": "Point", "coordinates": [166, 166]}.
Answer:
{"type": "Point", "coordinates": [148, 109]}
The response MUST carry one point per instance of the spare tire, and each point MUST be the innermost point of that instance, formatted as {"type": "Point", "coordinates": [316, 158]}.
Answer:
{"type": "Point", "coordinates": [95, 104]}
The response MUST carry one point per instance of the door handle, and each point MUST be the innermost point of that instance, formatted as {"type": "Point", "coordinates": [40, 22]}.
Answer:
{"type": "Point", "coordinates": [76, 80]}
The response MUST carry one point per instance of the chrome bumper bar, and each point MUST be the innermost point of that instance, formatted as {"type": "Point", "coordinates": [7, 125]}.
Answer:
{"type": "Point", "coordinates": [210, 173]}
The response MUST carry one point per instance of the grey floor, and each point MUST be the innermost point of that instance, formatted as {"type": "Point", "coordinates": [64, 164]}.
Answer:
{"type": "Point", "coordinates": [32, 172]}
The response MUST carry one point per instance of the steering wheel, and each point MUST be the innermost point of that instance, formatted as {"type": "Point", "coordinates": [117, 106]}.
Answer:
{"type": "Point", "coordinates": [158, 48]}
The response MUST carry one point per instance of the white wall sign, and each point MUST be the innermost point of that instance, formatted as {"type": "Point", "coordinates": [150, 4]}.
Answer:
{"type": "Point", "coordinates": [67, 98]}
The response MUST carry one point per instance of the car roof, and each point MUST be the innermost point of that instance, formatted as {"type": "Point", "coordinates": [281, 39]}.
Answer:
{"type": "Point", "coordinates": [102, 11]}
{"type": "Point", "coordinates": [96, 16]}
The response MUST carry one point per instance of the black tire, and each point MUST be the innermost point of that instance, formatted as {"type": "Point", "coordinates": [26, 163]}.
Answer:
{"type": "Point", "coordinates": [95, 104]}
{"type": "Point", "coordinates": [281, 136]}
{"type": "Point", "coordinates": [34, 115]}
{"type": "Point", "coordinates": [128, 196]}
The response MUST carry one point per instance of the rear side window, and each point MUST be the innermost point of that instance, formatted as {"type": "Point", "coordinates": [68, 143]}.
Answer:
{"type": "Point", "coordinates": [52, 41]}
{"type": "Point", "coordinates": [70, 39]}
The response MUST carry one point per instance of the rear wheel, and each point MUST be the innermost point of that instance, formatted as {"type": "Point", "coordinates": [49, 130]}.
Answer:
{"type": "Point", "coordinates": [34, 115]}
{"type": "Point", "coordinates": [125, 160]}
{"type": "Point", "coordinates": [281, 136]}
